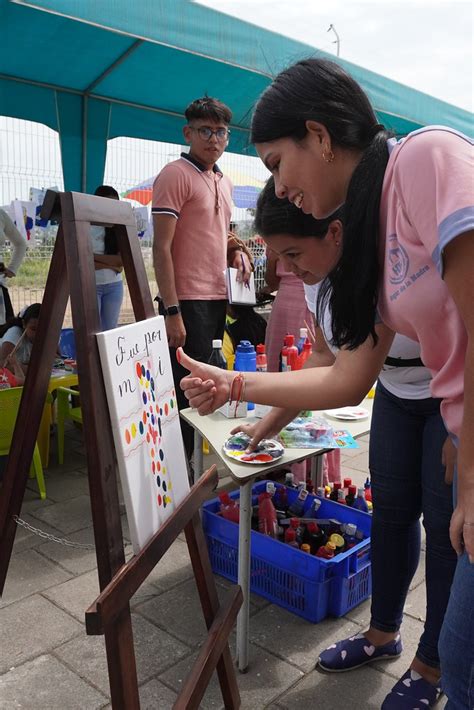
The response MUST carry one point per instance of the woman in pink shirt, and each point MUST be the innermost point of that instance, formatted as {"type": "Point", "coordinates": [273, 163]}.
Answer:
{"type": "Point", "coordinates": [407, 266]}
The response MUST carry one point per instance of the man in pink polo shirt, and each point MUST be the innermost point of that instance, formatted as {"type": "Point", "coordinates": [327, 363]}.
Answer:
{"type": "Point", "coordinates": [191, 206]}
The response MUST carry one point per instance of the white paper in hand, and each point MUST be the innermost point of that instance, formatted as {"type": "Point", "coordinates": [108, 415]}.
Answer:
{"type": "Point", "coordinates": [237, 291]}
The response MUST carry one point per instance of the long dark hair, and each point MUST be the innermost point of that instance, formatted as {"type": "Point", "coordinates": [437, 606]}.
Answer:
{"type": "Point", "coordinates": [29, 313]}
{"type": "Point", "coordinates": [110, 238]}
{"type": "Point", "coordinates": [322, 91]}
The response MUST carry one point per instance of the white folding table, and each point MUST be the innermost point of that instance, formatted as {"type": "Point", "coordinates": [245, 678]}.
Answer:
{"type": "Point", "coordinates": [216, 429]}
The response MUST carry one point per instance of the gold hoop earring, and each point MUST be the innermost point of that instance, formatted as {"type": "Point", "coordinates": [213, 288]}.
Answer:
{"type": "Point", "coordinates": [328, 155]}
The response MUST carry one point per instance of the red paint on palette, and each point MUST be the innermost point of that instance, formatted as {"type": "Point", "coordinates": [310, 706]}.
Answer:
{"type": "Point", "coordinates": [263, 458]}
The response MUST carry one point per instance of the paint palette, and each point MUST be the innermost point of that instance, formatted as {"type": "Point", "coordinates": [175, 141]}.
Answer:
{"type": "Point", "coordinates": [266, 452]}
{"type": "Point", "coordinates": [348, 413]}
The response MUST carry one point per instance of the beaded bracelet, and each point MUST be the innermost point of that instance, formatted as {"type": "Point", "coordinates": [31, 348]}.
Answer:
{"type": "Point", "coordinates": [236, 391]}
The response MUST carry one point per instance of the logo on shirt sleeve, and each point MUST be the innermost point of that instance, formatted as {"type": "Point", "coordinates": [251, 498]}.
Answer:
{"type": "Point", "coordinates": [397, 261]}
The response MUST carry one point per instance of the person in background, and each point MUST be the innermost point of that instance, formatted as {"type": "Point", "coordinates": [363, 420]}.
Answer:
{"type": "Point", "coordinates": [18, 244]}
{"type": "Point", "coordinates": [18, 334]}
{"type": "Point", "coordinates": [242, 323]}
{"type": "Point", "coordinates": [191, 208]}
{"type": "Point", "coordinates": [407, 439]}
{"type": "Point", "coordinates": [407, 266]}
{"type": "Point", "coordinates": [11, 375]}
{"type": "Point", "coordinates": [108, 267]}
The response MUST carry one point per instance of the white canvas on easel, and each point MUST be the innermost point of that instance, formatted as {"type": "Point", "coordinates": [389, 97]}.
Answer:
{"type": "Point", "coordinates": [145, 423]}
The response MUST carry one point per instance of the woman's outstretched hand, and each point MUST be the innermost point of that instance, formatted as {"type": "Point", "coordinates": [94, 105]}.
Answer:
{"type": "Point", "coordinates": [206, 387]}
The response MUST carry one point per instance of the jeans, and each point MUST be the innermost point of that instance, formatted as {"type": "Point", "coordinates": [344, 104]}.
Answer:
{"type": "Point", "coordinates": [456, 643]}
{"type": "Point", "coordinates": [406, 439]}
{"type": "Point", "coordinates": [109, 301]}
{"type": "Point", "coordinates": [204, 322]}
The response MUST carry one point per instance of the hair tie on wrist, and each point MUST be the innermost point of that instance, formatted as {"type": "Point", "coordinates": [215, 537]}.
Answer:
{"type": "Point", "coordinates": [376, 129]}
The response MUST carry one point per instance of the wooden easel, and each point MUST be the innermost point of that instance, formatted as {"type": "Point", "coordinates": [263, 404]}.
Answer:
{"type": "Point", "coordinates": [72, 274]}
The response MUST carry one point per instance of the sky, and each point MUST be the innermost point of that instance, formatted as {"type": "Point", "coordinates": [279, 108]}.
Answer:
{"type": "Point", "coordinates": [425, 44]}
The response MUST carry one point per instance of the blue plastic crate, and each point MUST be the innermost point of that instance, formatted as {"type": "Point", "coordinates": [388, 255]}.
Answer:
{"type": "Point", "coordinates": [309, 586]}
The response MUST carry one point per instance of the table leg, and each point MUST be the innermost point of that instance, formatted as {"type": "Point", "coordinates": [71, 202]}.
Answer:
{"type": "Point", "coordinates": [317, 470]}
{"type": "Point", "coordinates": [245, 519]}
{"type": "Point", "coordinates": [198, 462]}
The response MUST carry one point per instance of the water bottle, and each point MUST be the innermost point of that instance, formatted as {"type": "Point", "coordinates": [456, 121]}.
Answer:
{"type": "Point", "coordinates": [246, 361]}
{"type": "Point", "coordinates": [217, 356]}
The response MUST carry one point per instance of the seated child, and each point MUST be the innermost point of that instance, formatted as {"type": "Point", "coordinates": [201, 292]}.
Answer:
{"type": "Point", "coordinates": [17, 336]}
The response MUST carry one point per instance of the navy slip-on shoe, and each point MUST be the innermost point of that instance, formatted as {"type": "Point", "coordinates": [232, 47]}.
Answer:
{"type": "Point", "coordinates": [356, 651]}
{"type": "Point", "coordinates": [412, 692]}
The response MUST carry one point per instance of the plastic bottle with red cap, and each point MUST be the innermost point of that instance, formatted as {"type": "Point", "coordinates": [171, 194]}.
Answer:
{"type": "Point", "coordinates": [261, 358]}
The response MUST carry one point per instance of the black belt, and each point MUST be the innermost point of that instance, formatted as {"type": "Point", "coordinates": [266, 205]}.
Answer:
{"type": "Point", "coordinates": [400, 362]}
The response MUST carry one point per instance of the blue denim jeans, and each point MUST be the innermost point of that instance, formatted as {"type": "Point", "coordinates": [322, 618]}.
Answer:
{"type": "Point", "coordinates": [456, 643]}
{"type": "Point", "coordinates": [109, 301]}
{"type": "Point", "coordinates": [406, 439]}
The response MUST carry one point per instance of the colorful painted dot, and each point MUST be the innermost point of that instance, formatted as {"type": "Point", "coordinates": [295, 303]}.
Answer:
{"type": "Point", "coordinates": [164, 486]}
{"type": "Point", "coordinates": [139, 369]}
{"type": "Point", "coordinates": [143, 370]}
{"type": "Point", "coordinates": [162, 456]}
{"type": "Point", "coordinates": [153, 467]}
{"type": "Point", "coordinates": [172, 403]}
{"type": "Point", "coordinates": [160, 500]}
{"type": "Point", "coordinates": [141, 427]}
{"type": "Point", "coordinates": [148, 438]}
{"type": "Point", "coordinates": [152, 453]}
{"type": "Point", "coordinates": [166, 409]}
{"type": "Point", "coordinates": [152, 383]}
{"type": "Point", "coordinates": [158, 481]}
{"type": "Point", "coordinates": [127, 436]}
{"type": "Point", "coordinates": [161, 412]}
{"type": "Point", "coordinates": [153, 420]}
{"type": "Point", "coordinates": [159, 426]}
{"type": "Point", "coordinates": [157, 408]}
{"type": "Point", "coordinates": [133, 430]}
{"type": "Point", "coordinates": [158, 466]}
{"type": "Point", "coordinates": [144, 417]}
{"type": "Point", "coordinates": [164, 502]}
{"type": "Point", "coordinates": [164, 471]}
{"type": "Point", "coordinates": [148, 376]}
{"type": "Point", "coordinates": [144, 397]}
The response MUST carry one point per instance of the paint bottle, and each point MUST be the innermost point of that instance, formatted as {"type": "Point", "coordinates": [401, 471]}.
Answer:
{"type": "Point", "coordinates": [341, 498]}
{"type": "Point", "coordinates": [296, 508]}
{"type": "Point", "coordinates": [217, 356]}
{"type": "Point", "coordinates": [305, 548]}
{"type": "Point", "coordinates": [351, 495]}
{"type": "Point", "coordinates": [337, 486]}
{"type": "Point", "coordinates": [315, 537]}
{"type": "Point", "coordinates": [289, 354]}
{"type": "Point", "coordinates": [290, 538]}
{"type": "Point", "coordinates": [368, 489]}
{"type": "Point", "coordinates": [290, 480]}
{"type": "Point", "coordinates": [346, 483]}
{"type": "Point", "coordinates": [261, 359]}
{"type": "Point", "coordinates": [309, 486]}
{"type": "Point", "coordinates": [321, 492]}
{"type": "Point", "coordinates": [307, 351]}
{"type": "Point", "coordinates": [326, 551]}
{"type": "Point", "coordinates": [229, 508]}
{"type": "Point", "coordinates": [312, 511]}
{"type": "Point", "coordinates": [280, 499]}
{"type": "Point", "coordinates": [360, 503]}
{"type": "Point", "coordinates": [295, 525]}
{"type": "Point", "coordinates": [350, 535]}
{"type": "Point", "coordinates": [338, 542]}
{"type": "Point", "coordinates": [302, 339]}
{"type": "Point", "coordinates": [246, 361]}
{"type": "Point", "coordinates": [267, 517]}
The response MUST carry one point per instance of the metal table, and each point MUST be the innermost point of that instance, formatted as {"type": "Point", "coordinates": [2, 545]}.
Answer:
{"type": "Point", "coordinates": [216, 429]}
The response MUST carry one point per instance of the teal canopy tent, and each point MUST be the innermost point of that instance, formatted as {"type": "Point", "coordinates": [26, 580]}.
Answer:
{"type": "Point", "coordinates": [97, 70]}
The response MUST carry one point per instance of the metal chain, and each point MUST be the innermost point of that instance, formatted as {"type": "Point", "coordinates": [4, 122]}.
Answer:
{"type": "Point", "coordinates": [52, 538]}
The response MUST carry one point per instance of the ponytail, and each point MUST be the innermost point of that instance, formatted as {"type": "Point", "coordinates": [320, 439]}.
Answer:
{"type": "Point", "coordinates": [353, 283]}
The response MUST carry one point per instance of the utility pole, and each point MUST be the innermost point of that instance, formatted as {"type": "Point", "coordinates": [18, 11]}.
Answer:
{"type": "Point", "coordinates": [337, 41]}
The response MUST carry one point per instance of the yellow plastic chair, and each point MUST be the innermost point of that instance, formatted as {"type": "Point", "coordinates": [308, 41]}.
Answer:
{"type": "Point", "coordinates": [9, 404]}
{"type": "Point", "coordinates": [66, 411]}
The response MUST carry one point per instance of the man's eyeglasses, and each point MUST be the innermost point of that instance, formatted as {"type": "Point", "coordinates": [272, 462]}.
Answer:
{"type": "Point", "coordinates": [206, 133]}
